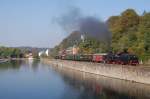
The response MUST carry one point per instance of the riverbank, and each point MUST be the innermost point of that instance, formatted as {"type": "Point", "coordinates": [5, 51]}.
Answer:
{"type": "Point", "coordinates": [103, 83]}
{"type": "Point", "coordinates": [4, 60]}
{"type": "Point", "coordinates": [139, 74]}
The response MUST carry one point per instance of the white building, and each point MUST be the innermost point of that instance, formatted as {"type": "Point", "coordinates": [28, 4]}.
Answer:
{"type": "Point", "coordinates": [47, 52]}
{"type": "Point", "coordinates": [41, 53]}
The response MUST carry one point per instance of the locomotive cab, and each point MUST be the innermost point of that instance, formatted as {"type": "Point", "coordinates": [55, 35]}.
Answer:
{"type": "Point", "coordinates": [133, 60]}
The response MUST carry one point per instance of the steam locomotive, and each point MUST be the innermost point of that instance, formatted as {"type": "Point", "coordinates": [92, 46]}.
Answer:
{"type": "Point", "coordinates": [123, 58]}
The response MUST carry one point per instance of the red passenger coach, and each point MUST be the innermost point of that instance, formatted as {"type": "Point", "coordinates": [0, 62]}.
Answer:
{"type": "Point", "coordinates": [99, 57]}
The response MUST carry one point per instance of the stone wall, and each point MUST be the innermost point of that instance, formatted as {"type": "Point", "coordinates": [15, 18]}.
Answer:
{"type": "Point", "coordinates": [133, 73]}
{"type": "Point", "coordinates": [116, 85]}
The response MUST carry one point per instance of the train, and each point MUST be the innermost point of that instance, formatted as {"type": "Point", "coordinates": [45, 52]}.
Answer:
{"type": "Point", "coordinates": [123, 58]}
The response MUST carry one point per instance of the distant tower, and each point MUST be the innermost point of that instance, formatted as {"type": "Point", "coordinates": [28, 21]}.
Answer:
{"type": "Point", "coordinates": [82, 37]}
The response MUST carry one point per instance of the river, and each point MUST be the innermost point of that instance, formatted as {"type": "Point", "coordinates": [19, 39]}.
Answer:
{"type": "Point", "coordinates": [36, 80]}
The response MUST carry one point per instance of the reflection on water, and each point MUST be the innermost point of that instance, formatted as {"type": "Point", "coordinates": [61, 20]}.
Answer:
{"type": "Point", "coordinates": [17, 64]}
{"type": "Point", "coordinates": [36, 80]}
{"type": "Point", "coordinates": [93, 86]}
{"type": "Point", "coordinates": [10, 65]}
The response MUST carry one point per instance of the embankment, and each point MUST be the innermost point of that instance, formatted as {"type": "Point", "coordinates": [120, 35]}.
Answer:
{"type": "Point", "coordinates": [139, 74]}
{"type": "Point", "coordinates": [102, 84]}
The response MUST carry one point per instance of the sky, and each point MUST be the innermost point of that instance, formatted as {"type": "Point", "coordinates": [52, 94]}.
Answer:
{"type": "Point", "coordinates": [30, 22]}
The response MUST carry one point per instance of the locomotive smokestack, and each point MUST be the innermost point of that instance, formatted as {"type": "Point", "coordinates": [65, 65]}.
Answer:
{"type": "Point", "coordinates": [82, 37]}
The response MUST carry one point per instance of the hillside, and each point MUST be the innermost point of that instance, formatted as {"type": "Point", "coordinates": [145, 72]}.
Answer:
{"type": "Point", "coordinates": [129, 31]}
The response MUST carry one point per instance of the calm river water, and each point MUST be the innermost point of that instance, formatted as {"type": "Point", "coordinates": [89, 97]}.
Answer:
{"type": "Point", "coordinates": [36, 80]}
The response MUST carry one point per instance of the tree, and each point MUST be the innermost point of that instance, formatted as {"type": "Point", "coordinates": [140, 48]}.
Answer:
{"type": "Point", "coordinates": [124, 29]}
{"type": "Point", "coordinates": [129, 30]}
{"type": "Point", "coordinates": [90, 46]}
{"type": "Point", "coordinates": [6, 52]}
{"type": "Point", "coordinates": [129, 18]}
{"type": "Point", "coordinates": [71, 40]}
{"type": "Point", "coordinates": [144, 31]}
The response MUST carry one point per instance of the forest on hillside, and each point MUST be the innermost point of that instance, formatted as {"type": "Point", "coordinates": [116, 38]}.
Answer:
{"type": "Point", "coordinates": [129, 30]}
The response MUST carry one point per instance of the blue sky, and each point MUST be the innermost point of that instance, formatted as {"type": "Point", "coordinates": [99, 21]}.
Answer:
{"type": "Point", "coordinates": [29, 22]}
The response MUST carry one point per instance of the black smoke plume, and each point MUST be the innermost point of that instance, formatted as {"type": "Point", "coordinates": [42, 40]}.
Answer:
{"type": "Point", "coordinates": [94, 28]}
{"type": "Point", "coordinates": [89, 26]}
{"type": "Point", "coordinates": [70, 20]}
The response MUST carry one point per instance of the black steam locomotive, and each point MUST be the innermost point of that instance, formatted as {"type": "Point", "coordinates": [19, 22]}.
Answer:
{"type": "Point", "coordinates": [122, 58]}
